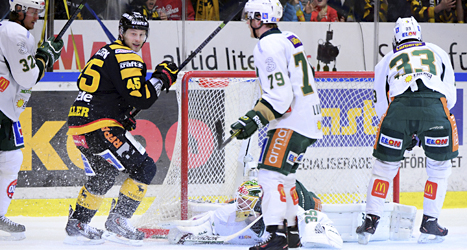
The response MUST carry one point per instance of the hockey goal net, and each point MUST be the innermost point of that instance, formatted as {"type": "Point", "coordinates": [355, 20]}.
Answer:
{"type": "Point", "coordinates": [336, 168]}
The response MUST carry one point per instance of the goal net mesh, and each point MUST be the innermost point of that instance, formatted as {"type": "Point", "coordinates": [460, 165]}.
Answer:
{"type": "Point", "coordinates": [337, 168]}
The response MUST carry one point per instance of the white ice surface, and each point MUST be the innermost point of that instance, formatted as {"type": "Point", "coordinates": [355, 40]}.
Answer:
{"type": "Point", "coordinates": [48, 233]}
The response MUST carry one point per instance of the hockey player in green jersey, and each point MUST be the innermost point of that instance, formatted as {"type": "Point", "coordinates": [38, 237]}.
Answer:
{"type": "Point", "coordinates": [22, 66]}
{"type": "Point", "coordinates": [287, 103]}
{"type": "Point", "coordinates": [415, 89]}
{"type": "Point", "coordinates": [112, 84]}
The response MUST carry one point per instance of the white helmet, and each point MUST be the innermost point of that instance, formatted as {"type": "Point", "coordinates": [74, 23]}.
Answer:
{"type": "Point", "coordinates": [268, 11]}
{"type": "Point", "coordinates": [25, 4]}
{"type": "Point", "coordinates": [248, 198]}
{"type": "Point", "coordinates": [406, 28]}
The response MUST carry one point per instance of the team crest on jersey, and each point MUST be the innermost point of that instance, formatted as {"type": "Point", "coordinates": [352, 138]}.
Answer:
{"type": "Point", "coordinates": [295, 41]}
{"type": "Point", "coordinates": [270, 64]}
{"type": "Point", "coordinates": [103, 52]}
{"type": "Point", "coordinates": [22, 48]}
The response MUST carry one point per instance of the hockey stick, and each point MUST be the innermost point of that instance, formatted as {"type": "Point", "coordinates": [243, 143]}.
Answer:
{"type": "Point", "coordinates": [68, 23]}
{"type": "Point", "coordinates": [201, 46]}
{"type": "Point", "coordinates": [106, 31]}
{"type": "Point", "coordinates": [216, 239]}
{"type": "Point", "coordinates": [220, 135]}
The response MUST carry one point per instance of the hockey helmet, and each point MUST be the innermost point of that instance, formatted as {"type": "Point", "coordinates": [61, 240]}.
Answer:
{"type": "Point", "coordinates": [132, 20]}
{"type": "Point", "coordinates": [267, 11]}
{"type": "Point", "coordinates": [23, 5]}
{"type": "Point", "coordinates": [405, 29]}
{"type": "Point", "coordinates": [248, 199]}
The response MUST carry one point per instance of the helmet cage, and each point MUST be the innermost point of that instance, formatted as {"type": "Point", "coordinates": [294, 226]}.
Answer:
{"type": "Point", "coordinates": [248, 197]}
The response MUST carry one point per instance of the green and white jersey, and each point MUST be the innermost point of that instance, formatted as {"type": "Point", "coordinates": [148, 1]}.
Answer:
{"type": "Point", "coordinates": [408, 62]}
{"type": "Point", "coordinates": [287, 82]}
{"type": "Point", "coordinates": [18, 70]}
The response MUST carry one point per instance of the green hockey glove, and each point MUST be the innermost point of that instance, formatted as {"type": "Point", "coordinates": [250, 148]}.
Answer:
{"type": "Point", "coordinates": [50, 51]}
{"type": "Point", "coordinates": [248, 124]}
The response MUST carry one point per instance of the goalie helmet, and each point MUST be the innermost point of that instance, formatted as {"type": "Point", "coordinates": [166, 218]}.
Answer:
{"type": "Point", "coordinates": [23, 5]}
{"type": "Point", "coordinates": [405, 29]}
{"type": "Point", "coordinates": [267, 11]}
{"type": "Point", "coordinates": [132, 20]}
{"type": "Point", "coordinates": [248, 199]}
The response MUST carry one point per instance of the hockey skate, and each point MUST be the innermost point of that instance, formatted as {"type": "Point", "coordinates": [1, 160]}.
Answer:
{"type": "Point", "coordinates": [294, 237]}
{"type": "Point", "coordinates": [367, 229]}
{"type": "Point", "coordinates": [80, 233]}
{"type": "Point", "coordinates": [120, 230]}
{"type": "Point", "coordinates": [15, 230]}
{"type": "Point", "coordinates": [277, 239]}
{"type": "Point", "coordinates": [430, 227]}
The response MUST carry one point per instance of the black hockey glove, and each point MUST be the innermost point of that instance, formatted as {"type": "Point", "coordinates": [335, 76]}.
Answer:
{"type": "Point", "coordinates": [167, 72]}
{"type": "Point", "coordinates": [415, 142]}
{"type": "Point", "coordinates": [248, 124]}
{"type": "Point", "coordinates": [50, 51]}
{"type": "Point", "coordinates": [129, 123]}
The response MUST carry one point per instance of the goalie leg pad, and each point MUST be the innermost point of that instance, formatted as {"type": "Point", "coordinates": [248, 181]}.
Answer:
{"type": "Point", "coordinates": [402, 222]}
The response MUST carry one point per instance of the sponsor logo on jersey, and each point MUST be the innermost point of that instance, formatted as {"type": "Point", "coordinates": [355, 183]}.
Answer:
{"type": "Point", "coordinates": [112, 138]}
{"type": "Point", "coordinates": [18, 133]}
{"type": "Point", "coordinates": [270, 64]}
{"type": "Point", "coordinates": [20, 103]}
{"type": "Point", "coordinates": [380, 188]}
{"type": "Point", "coordinates": [293, 158]}
{"type": "Point", "coordinates": [131, 64]}
{"type": "Point", "coordinates": [265, 16]}
{"type": "Point", "coordinates": [390, 142]}
{"type": "Point", "coordinates": [103, 52]}
{"type": "Point", "coordinates": [26, 91]}
{"type": "Point", "coordinates": [123, 51]}
{"type": "Point", "coordinates": [437, 141]}
{"type": "Point", "coordinates": [278, 147]}
{"type": "Point", "coordinates": [4, 83]}
{"type": "Point", "coordinates": [408, 45]}
{"type": "Point", "coordinates": [295, 41]}
{"type": "Point", "coordinates": [244, 237]}
{"type": "Point", "coordinates": [80, 141]}
{"type": "Point", "coordinates": [10, 190]}
{"type": "Point", "coordinates": [408, 78]}
{"type": "Point", "coordinates": [22, 48]}
{"type": "Point", "coordinates": [430, 190]}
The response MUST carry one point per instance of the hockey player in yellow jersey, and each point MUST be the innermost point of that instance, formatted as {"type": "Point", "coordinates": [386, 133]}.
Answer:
{"type": "Point", "coordinates": [112, 84]}
{"type": "Point", "coordinates": [22, 66]}
{"type": "Point", "coordinates": [287, 103]}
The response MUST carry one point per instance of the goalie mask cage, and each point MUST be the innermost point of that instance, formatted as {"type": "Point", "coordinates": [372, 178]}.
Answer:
{"type": "Point", "coordinates": [337, 168]}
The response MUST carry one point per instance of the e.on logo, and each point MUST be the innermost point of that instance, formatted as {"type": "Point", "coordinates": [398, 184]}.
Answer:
{"type": "Point", "coordinates": [430, 190]}
{"type": "Point", "coordinates": [380, 188]}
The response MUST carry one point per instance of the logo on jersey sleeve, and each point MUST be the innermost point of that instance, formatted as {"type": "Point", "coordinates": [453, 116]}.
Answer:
{"type": "Point", "coordinates": [295, 41]}
{"type": "Point", "coordinates": [437, 141]}
{"type": "Point", "coordinates": [390, 142]}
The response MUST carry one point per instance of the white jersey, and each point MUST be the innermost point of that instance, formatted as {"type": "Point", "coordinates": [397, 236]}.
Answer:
{"type": "Point", "coordinates": [18, 70]}
{"type": "Point", "coordinates": [401, 67]}
{"type": "Point", "coordinates": [287, 82]}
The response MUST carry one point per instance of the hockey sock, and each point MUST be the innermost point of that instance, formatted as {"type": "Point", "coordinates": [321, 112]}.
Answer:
{"type": "Point", "coordinates": [130, 196]}
{"type": "Point", "coordinates": [87, 205]}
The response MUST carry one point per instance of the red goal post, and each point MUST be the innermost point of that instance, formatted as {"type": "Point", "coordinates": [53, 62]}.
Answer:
{"type": "Point", "coordinates": [336, 168]}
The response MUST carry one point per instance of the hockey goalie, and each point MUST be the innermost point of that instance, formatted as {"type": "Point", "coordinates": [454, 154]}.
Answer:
{"type": "Point", "coordinates": [240, 222]}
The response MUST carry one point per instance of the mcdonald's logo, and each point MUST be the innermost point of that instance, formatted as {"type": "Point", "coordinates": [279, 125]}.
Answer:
{"type": "Point", "coordinates": [380, 188]}
{"type": "Point", "coordinates": [430, 190]}
{"type": "Point", "coordinates": [3, 83]}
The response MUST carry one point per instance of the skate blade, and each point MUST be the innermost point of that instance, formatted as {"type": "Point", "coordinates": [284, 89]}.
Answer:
{"type": "Point", "coordinates": [81, 240]}
{"type": "Point", "coordinates": [12, 236]}
{"type": "Point", "coordinates": [364, 238]}
{"type": "Point", "coordinates": [427, 239]}
{"type": "Point", "coordinates": [121, 240]}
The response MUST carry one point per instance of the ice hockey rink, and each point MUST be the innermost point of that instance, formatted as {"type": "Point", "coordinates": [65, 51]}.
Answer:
{"type": "Point", "coordinates": [48, 233]}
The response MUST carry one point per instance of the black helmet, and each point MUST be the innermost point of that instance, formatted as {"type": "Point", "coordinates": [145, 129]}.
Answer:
{"type": "Point", "coordinates": [132, 20]}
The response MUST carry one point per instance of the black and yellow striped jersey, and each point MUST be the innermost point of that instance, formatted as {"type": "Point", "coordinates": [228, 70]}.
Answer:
{"type": "Point", "coordinates": [112, 83]}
